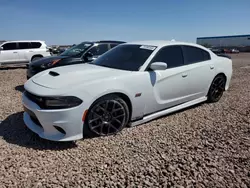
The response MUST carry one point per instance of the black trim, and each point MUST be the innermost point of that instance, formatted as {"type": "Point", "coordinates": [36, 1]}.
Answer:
{"type": "Point", "coordinates": [140, 118]}
{"type": "Point", "coordinates": [165, 109]}
{"type": "Point", "coordinates": [60, 129]}
{"type": "Point", "coordinates": [224, 55]}
{"type": "Point", "coordinates": [52, 73]}
{"type": "Point", "coordinates": [36, 99]}
{"type": "Point", "coordinates": [32, 116]}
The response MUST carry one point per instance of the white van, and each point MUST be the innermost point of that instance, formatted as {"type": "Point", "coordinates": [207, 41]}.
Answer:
{"type": "Point", "coordinates": [18, 52]}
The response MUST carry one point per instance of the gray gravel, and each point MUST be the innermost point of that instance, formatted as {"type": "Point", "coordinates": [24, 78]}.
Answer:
{"type": "Point", "coordinates": [204, 146]}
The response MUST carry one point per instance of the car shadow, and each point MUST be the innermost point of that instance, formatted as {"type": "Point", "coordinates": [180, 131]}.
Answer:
{"type": "Point", "coordinates": [12, 67]}
{"type": "Point", "coordinates": [20, 88]}
{"type": "Point", "coordinates": [14, 131]}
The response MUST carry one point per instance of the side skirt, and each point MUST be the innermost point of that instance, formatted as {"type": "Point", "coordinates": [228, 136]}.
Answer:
{"type": "Point", "coordinates": [167, 111]}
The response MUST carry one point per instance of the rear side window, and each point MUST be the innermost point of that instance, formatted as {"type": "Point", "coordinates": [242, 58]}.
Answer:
{"type": "Point", "coordinates": [113, 45]}
{"type": "Point", "coordinates": [172, 55]}
{"type": "Point", "coordinates": [36, 44]}
{"type": "Point", "coordinates": [195, 55]}
{"type": "Point", "coordinates": [23, 45]}
{"type": "Point", "coordinates": [10, 46]}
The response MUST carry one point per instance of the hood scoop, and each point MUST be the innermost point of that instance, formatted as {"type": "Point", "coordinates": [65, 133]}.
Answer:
{"type": "Point", "coordinates": [52, 73]}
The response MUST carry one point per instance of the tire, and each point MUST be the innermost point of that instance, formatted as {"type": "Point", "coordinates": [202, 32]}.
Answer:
{"type": "Point", "coordinates": [36, 58]}
{"type": "Point", "coordinates": [216, 89]}
{"type": "Point", "coordinates": [107, 116]}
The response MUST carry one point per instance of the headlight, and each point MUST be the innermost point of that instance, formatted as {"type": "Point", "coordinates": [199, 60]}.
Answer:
{"type": "Point", "coordinates": [47, 65]}
{"type": "Point", "coordinates": [61, 102]}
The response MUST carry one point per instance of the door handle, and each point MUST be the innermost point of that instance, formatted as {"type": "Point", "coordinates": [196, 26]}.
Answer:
{"type": "Point", "coordinates": [184, 75]}
{"type": "Point", "coordinates": [30, 51]}
{"type": "Point", "coordinates": [211, 67]}
{"type": "Point", "coordinates": [14, 52]}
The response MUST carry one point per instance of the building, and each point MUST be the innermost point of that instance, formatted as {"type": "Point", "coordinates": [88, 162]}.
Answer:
{"type": "Point", "coordinates": [235, 41]}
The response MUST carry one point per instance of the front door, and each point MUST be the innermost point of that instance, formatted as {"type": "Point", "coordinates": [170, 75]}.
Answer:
{"type": "Point", "coordinates": [9, 53]}
{"type": "Point", "coordinates": [168, 86]}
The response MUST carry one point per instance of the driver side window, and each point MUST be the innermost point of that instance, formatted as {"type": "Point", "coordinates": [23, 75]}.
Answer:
{"type": "Point", "coordinates": [172, 55]}
{"type": "Point", "coordinates": [99, 50]}
{"type": "Point", "coordinates": [10, 46]}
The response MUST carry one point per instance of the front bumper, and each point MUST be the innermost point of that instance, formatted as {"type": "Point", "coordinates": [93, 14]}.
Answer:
{"type": "Point", "coordinates": [46, 122]}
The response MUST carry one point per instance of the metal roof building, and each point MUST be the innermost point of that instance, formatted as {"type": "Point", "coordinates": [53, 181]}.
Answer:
{"type": "Point", "coordinates": [225, 41]}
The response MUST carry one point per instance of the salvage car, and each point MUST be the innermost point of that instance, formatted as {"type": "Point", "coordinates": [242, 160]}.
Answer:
{"type": "Point", "coordinates": [81, 53]}
{"type": "Point", "coordinates": [129, 85]}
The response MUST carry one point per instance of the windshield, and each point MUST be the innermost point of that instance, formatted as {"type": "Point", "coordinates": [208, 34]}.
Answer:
{"type": "Point", "coordinates": [1, 42]}
{"type": "Point", "coordinates": [77, 50]}
{"type": "Point", "coordinates": [125, 57]}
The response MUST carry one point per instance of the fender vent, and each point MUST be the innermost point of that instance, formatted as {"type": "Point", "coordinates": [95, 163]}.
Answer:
{"type": "Point", "coordinates": [52, 73]}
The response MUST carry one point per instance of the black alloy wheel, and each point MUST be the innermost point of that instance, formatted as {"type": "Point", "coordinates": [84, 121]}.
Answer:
{"type": "Point", "coordinates": [217, 88]}
{"type": "Point", "coordinates": [107, 116]}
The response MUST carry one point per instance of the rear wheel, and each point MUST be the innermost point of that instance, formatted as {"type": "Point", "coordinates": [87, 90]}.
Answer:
{"type": "Point", "coordinates": [217, 88]}
{"type": "Point", "coordinates": [107, 116]}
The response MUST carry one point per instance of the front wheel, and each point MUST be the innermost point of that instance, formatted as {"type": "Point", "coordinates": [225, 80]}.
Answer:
{"type": "Point", "coordinates": [107, 116]}
{"type": "Point", "coordinates": [36, 58]}
{"type": "Point", "coordinates": [216, 89]}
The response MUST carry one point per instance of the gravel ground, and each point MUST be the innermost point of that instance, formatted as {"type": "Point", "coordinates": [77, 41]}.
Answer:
{"type": "Point", "coordinates": [204, 146]}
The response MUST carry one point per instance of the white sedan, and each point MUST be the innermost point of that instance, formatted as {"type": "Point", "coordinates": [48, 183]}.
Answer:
{"type": "Point", "coordinates": [131, 84]}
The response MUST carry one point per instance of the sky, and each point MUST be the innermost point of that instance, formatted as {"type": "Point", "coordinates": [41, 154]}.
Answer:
{"type": "Point", "coordinates": [74, 21]}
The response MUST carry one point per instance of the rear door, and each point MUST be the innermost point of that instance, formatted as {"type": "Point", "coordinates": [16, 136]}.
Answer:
{"type": "Point", "coordinates": [25, 52]}
{"type": "Point", "coordinates": [199, 71]}
{"type": "Point", "coordinates": [9, 53]}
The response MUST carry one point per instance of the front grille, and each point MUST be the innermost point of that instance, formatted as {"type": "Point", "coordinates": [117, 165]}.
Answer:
{"type": "Point", "coordinates": [36, 99]}
{"type": "Point", "coordinates": [32, 116]}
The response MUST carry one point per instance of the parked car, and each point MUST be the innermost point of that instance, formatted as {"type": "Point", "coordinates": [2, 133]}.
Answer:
{"type": "Point", "coordinates": [220, 52]}
{"type": "Point", "coordinates": [81, 53]}
{"type": "Point", "coordinates": [131, 84]}
{"type": "Point", "coordinates": [21, 52]}
{"type": "Point", "coordinates": [217, 50]}
{"type": "Point", "coordinates": [236, 51]}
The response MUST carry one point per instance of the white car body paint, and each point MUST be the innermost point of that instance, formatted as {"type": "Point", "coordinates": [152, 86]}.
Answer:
{"type": "Point", "coordinates": [22, 56]}
{"type": "Point", "coordinates": [162, 92]}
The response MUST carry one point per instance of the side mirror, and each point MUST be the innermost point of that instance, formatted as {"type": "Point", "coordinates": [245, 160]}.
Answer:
{"type": "Point", "coordinates": [1, 48]}
{"type": "Point", "coordinates": [158, 66]}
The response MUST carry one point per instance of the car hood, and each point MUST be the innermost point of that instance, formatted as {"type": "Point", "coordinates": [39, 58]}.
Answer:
{"type": "Point", "coordinates": [75, 75]}
{"type": "Point", "coordinates": [46, 60]}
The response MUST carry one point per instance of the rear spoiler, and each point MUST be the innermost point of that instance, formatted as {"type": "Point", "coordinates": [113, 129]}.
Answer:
{"type": "Point", "coordinates": [224, 55]}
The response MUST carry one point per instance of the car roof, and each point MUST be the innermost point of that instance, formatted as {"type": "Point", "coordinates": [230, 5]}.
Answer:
{"type": "Point", "coordinates": [161, 43]}
{"type": "Point", "coordinates": [109, 41]}
{"type": "Point", "coordinates": [24, 41]}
